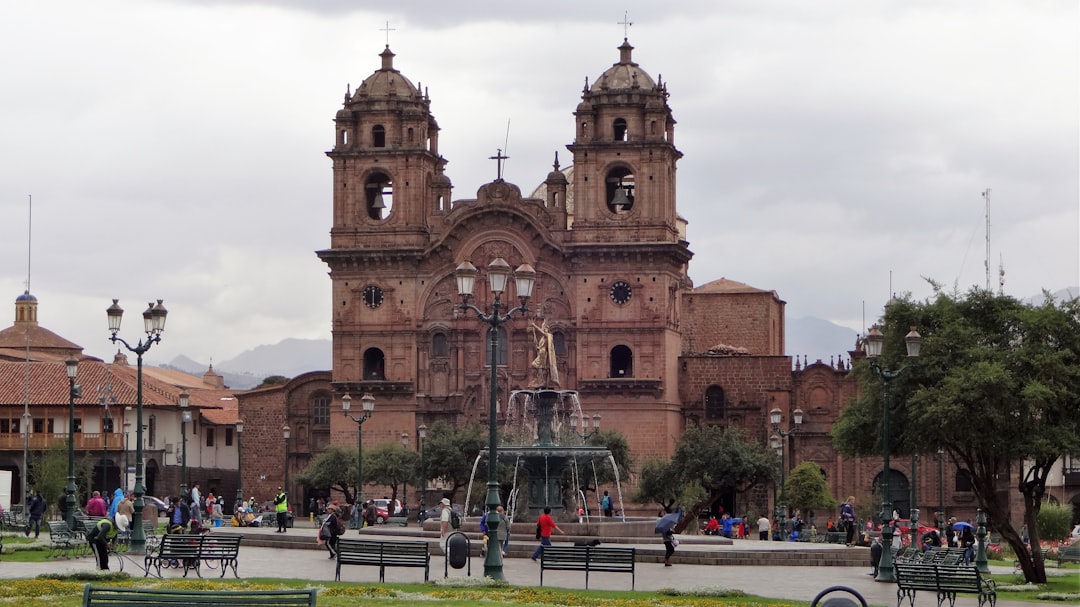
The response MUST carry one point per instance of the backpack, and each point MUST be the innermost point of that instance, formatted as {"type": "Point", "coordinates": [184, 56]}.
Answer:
{"type": "Point", "coordinates": [455, 519]}
{"type": "Point", "coordinates": [605, 503]}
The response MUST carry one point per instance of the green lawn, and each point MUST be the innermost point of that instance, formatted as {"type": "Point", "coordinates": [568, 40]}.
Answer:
{"type": "Point", "coordinates": [67, 591]}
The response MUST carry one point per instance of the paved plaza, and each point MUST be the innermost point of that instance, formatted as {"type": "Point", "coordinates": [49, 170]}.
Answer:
{"type": "Point", "coordinates": [781, 582]}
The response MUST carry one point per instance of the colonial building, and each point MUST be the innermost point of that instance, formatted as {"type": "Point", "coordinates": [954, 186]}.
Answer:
{"type": "Point", "coordinates": [35, 412]}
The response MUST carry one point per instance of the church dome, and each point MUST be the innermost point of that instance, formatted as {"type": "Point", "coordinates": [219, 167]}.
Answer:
{"type": "Point", "coordinates": [26, 296]}
{"type": "Point", "coordinates": [624, 75]}
{"type": "Point", "coordinates": [387, 81]}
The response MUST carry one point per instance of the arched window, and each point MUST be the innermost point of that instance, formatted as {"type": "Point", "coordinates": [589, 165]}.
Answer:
{"type": "Point", "coordinates": [963, 480]}
{"type": "Point", "coordinates": [501, 349]}
{"type": "Point", "coordinates": [714, 402]}
{"type": "Point", "coordinates": [622, 362]}
{"type": "Point", "coordinates": [378, 136]}
{"type": "Point", "coordinates": [320, 410]}
{"type": "Point", "coordinates": [619, 129]}
{"type": "Point", "coordinates": [619, 194]}
{"type": "Point", "coordinates": [374, 364]}
{"type": "Point", "coordinates": [439, 346]}
{"type": "Point", "coordinates": [378, 195]}
{"type": "Point", "coordinates": [558, 338]}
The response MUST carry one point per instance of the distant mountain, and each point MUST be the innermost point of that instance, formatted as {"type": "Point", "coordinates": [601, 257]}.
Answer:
{"type": "Point", "coordinates": [289, 357]}
{"type": "Point", "coordinates": [818, 339]}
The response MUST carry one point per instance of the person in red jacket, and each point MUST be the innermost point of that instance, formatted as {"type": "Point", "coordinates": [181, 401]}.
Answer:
{"type": "Point", "coordinates": [545, 525]}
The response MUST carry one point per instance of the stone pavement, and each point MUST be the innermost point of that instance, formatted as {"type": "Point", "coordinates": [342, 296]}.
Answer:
{"type": "Point", "coordinates": [781, 582]}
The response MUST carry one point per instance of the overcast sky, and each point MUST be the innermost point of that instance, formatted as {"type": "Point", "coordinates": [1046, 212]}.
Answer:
{"type": "Point", "coordinates": [175, 149]}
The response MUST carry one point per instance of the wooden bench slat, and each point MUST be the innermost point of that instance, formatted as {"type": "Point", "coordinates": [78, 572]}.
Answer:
{"type": "Point", "coordinates": [945, 580]}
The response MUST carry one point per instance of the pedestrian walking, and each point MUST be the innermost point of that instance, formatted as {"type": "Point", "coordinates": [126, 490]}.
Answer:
{"type": "Point", "coordinates": [544, 526]}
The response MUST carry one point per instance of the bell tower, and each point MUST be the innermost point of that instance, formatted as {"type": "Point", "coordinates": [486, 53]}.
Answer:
{"type": "Point", "coordinates": [624, 157]}
{"type": "Point", "coordinates": [388, 179]}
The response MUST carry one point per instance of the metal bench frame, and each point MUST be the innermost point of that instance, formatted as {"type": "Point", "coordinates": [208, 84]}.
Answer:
{"type": "Point", "coordinates": [945, 580]}
{"type": "Point", "coordinates": [189, 551]}
{"type": "Point", "coordinates": [588, 559]}
{"type": "Point", "coordinates": [383, 555]}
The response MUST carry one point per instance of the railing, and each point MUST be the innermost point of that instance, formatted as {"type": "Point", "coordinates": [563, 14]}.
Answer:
{"type": "Point", "coordinates": [84, 441]}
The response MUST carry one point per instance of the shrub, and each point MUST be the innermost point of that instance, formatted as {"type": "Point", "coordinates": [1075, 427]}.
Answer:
{"type": "Point", "coordinates": [1054, 520]}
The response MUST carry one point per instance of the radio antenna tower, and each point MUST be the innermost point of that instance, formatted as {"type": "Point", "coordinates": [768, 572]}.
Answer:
{"type": "Point", "coordinates": [986, 260]}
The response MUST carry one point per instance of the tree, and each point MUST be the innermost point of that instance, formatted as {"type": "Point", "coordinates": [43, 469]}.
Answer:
{"type": "Point", "coordinates": [449, 453]}
{"type": "Point", "coordinates": [807, 489]}
{"type": "Point", "coordinates": [658, 483]}
{"type": "Point", "coordinates": [273, 380]}
{"type": "Point", "coordinates": [391, 464]}
{"type": "Point", "coordinates": [719, 460]}
{"type": "Point", "coordinates": [595, 471]}
{"type": "Point", "coordinates": [334, 469]}
{"type": "Point", "coordinates": [997, 385]}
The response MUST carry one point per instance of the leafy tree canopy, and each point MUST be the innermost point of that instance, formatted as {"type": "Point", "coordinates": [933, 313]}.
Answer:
{"type": "Point", "coordinates": [273, 380]}
{"type": "Point", "coordinates": [449, 453]}
{"type": "Point", "coordinates": [997, 386]}
{"type": "Point", "coordinates": [335, 469]}
{"type": "Point", "coordinates": [391, 464]}
{"type": "Point", "coordinates": [658, 483]}
{"type": "Point", "coordinates": [806, 488]}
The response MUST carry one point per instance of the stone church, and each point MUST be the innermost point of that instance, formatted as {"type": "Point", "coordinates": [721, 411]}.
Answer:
{"type": "Point", "coordinates": [641, 344]}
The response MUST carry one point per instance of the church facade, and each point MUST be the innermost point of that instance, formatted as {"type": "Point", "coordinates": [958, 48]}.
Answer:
{"type": "Point", "coordinates": [631, 333]}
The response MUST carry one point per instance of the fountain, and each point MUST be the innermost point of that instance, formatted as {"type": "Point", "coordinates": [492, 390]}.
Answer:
{"type": "Point", "coordinates": [535, 417]}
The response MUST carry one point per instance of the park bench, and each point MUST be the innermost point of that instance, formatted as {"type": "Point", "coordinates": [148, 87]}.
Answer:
{"type": "Point", "coordinates": [101, 596]}
{"type": "Point", "coordinates": [65, 542]}
{"type": "Point", "coordinates": [944, 580]}
{"type": "Point", "coordinates": [588, 559]}
{"type": "Point", "coordinates": [382, 554]}
{"type": "Point", "coordinates": [398, 521]}
{"type": "Point", "coordinates": [1043, 551]}
{"type": "Point", "coordinates": [11, 521]}
{"type": "Point", "coordinates": [1068, 554]}
{"type": "Point", "coordinates": [188, 551]}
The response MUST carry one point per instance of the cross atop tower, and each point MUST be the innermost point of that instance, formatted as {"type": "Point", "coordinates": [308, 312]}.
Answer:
{"type": "Point", "coordinates": [626, 23]}
{"type": "Point", "coordinates": [387, 29]}
{"type": "Point", "coordinates": [498, 158]}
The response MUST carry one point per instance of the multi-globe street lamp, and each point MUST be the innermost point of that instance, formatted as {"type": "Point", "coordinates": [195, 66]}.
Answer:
{"type": "Point", "coordinates": [368, 404]}
{"type": "Point", "coordinates": [421, 431]}
{"type": "Point", "coordinates": [585, 433]}
{"type": "Point", "coordinates": [153, 326]}
{"type": "Point", "coordinates": [875, 340]}
{"type": "Point", "coordinates": [74, 392]}
{"type": "Point", "coordinates": [185, 417]}
{"type": "Point", "coordinates": [778, 441]}
{"type": "Point", "coordinates": [498, 273]}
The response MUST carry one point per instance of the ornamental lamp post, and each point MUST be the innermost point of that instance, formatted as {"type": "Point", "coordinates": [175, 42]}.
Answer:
{"type": "Point", "coordinates": [421, 431]}
{"type": "Point", "coordinates": [153, 326]}
{"type": "Point", "coordinates": [74, 392]}
{"type": "Point", "coordinates": [286, 432]}
{"type": "Point", "coordinates": [127, 430]}
{"type": "Point", "coordinates": [874, 342]}
{"type": "Point", "coordinates": [368, 404]}
{"type": "Point", "coordinates": [778, 441]}
{"type": "Point", "coordinates": [405, 484]}
{"type": "Point", "coordinates": [941, 490]}
{"type": "Point", "coordinates": [498, 272]}
{"type": "Point", "coordinates": [185, 417]}
{"type": "Point", "coordinates": [239, 465]}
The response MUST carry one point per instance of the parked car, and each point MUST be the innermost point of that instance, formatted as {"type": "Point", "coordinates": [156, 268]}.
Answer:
{"type": "Point", "coordinates": [382, 509]}
{"type": "Point", "coordinates": [435, 512]}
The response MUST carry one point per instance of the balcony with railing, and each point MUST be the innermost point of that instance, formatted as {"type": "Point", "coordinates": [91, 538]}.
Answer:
{"type": "Point", "coordinates": [84, 441]}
